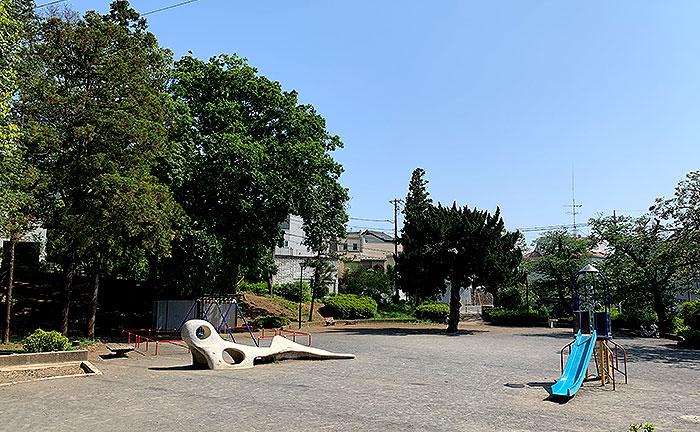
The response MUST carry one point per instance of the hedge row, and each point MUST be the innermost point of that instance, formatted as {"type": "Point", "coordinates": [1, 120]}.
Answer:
{"type": "Point", "coordinates": [434, 311]}
{"type": "Point", "coordinates": [500, 316]}
{"type": "Point", "coordinates": [349, 306]}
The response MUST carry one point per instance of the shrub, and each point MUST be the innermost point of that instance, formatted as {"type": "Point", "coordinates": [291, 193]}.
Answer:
{"type": "Point", "coordinates": [257, 288]}
{"type": "Point", "coordinates": [350, 306]}
{"type": "Point", "coordinates": [270, 321]}
{"type": "Point", "coordinates": [400, 310]}
{"type": "Point", "coordinates": [500, 316]}
{"type": "Point", "coordinates": [434, 311]}
{"type": "Point", "coordinates": [691, 338]}
{"type": "Point", "coordinates": [510, 298]}
{"type": "Point", "coordinates": [290, 291]}
{"type": "Point", "coordinates": [43, 341]}
{"type": "Point", "coordinates": [690, 312]}
{"type": "Point", "coordinates": [631, 320]}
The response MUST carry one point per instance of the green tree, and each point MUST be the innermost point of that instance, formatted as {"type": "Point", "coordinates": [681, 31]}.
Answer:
{"type": "Point", "coordinates": [414, 274]}
{"type": "Point", "coordinates": [562, 255]}
{"type": "Point", "coordinates": [645, 259]}
{"type": "Point", "coordinates": [20, 182]}
{"type": "Point", "coordinates": [248, 155]}
{"type": "Point", "coordinates": [322, 275]}
{"type": "Point", "coordinates": [92, 105]}
{"type": "Point", "coordinates": [361, 281]}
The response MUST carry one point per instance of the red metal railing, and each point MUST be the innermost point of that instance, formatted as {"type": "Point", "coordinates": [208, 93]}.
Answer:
{"type": "Point", "coordinates": [265, 334]}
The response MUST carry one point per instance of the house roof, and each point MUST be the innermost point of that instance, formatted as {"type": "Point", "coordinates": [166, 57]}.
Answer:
{"type": "Point", "coordinates": [380, 235]}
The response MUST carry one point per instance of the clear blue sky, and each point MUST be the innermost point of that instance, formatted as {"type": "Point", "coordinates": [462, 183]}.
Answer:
{"type": "Point", "coordinates": [496, 100]}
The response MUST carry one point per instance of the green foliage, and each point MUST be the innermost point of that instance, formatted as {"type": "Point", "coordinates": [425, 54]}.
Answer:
{"type": "Point", "coordinates": [647, 427]}
{"type": "Point", "coordinates": [562, 256]}
{"type": "Point", "coordinates": [399, 310]}
{"type": "Point", "coordinates": [691, 338]}
{"type": "Point", "coordinates": [631, 320]}
{"type": "Point", "coordinates": [257, 288]}
{"type": "Point", "coordinates": [350, 306]}
{"type": "Point", "coordinates": [246, 155]}
{"type": "Point", "coordinates": [43, 341]}
{"type": "Point", "coordinates": [510, 298]}
{"type": "Point", "coordinates": [290, 291]}
{"type": "Point", "coordinates": [690, 313]}
{"type": "Point", "coordinates": [270, 321]}
{"type": "Point", "coordinates": [645, 260]}
{"type": "Point", "coordinates": [366, 282]}
{"type": "Point", "coordinates": [501, 316]}
{"type": "Point", "coordinates": [433, 311]}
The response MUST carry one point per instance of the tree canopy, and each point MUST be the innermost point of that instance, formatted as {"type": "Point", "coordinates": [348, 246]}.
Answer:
{"type": "Point", "coordinates": [248, 155]}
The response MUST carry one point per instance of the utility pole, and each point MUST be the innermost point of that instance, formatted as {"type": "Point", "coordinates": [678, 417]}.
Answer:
{"type": "Point", "coordinates": [396, 202]}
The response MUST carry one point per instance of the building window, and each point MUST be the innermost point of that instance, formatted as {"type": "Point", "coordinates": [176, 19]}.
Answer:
{"type": "Point", "coordinates": [286, 243]}
{"type": "Point", "coordinates": [354, 246]}
{"type": "Point", "coordinates": [345, 247]}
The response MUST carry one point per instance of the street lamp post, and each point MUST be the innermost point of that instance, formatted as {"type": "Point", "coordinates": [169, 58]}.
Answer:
{"type": "Point", "coordinates": [301, 281]}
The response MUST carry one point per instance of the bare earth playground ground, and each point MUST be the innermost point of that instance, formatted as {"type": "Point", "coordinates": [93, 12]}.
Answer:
{"type": "Point", "coordinates": [405, 378]}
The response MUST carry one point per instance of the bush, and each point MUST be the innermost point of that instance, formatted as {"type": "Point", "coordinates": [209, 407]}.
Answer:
{"type": "Point", "coordinates": [500, 316]}
{"type": "Point", "coordinates": [270, 321]}
{"type": "Point", "coordinates": [691, 338]}
{"type": "Point", "coordinates": [400, 310]}
{"type": "Point", "coordinates": [258, 288]}
{"type": "Point", "coordinates": [510, 298]}
{"type": "Point", "coordinates": [690, 312]}
{"type": "Point", "coordinates": [350, 306]}
{"type": "Point", "coordinates": [290, 291]}
{"type": "Point", "coordinates": [631, 320]}
{"type": "Point", "coordinates": [434, 311]}
{"type": "Point", "coordinates": [43, 341]}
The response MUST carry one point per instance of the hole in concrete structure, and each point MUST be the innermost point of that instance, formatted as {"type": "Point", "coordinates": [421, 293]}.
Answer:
{"type": "Point", "coordinates": [233, 356]}
{"type": "Point", "coordinates": [203, 332]}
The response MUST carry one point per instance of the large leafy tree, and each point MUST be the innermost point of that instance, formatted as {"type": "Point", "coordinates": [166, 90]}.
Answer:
{"type": "Point", "coordinates": [562, 255]}
{"type": "Point", "coordinates": [248, 156]}
{"type": "Point", "coordinates": [645, 259]}
{"type": "Point", "coordinates": [92, 105]}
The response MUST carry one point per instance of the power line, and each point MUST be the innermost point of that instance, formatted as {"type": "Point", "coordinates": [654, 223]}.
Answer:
{"type": "Point", "coordinates": [551, 227]}
{"type": "Point", "coordinates": [168, 7]}
{"type": "Point", "coordinates": [49, 4]}
{"type": "Point", "coordinates": [371, 220]}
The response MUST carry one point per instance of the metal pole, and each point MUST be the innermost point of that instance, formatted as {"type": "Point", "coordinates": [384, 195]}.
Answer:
{"type": "Point", "coordinates": [301, 281]}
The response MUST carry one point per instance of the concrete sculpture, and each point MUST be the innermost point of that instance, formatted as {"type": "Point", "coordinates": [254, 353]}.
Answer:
{"type": "Point", "coordinates": [210, 350]}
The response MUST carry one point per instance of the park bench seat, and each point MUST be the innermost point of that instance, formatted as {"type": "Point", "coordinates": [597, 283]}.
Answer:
{"type": "Point", "coordinates": [119, 349]}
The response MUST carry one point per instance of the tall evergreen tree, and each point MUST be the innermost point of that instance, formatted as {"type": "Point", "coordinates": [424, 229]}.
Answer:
{"type": "Point", "coordinates": [412, 266]}
{"type": "Point", "coordinates": [92, 105]}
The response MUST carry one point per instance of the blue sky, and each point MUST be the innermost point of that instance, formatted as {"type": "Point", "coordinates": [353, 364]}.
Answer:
{"type": "Point", "coordinates": [497, 100]}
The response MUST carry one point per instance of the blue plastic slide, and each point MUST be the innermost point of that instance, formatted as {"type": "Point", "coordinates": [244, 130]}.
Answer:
{"type": "Point", "coordinates": [576, 366]}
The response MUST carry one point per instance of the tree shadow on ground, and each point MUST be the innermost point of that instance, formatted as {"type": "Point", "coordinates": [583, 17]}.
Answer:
{"type": "Point", "coordinates": [176, 368]}
{"type": "Point", "coordinates": [562, 335]}
{"type": "Point", "coordinates": [399, 331]}
{"type": "Point", "coordinates": [669, 354]}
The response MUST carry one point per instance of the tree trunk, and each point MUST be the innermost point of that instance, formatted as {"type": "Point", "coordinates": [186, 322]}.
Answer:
{"type": "Point", "coordinates": [10, 283]}
{"type": "Point", "coordinates": [269, 283]}
{"type": "Point", "coordinates": [152, 281]}
{"type": "Point", "coordinates": [67, 286]}
{"type": "Point", "coordinates": [660, 309]}
{"type": "Point", "coordinates": [454, 305]}
{"type": "Point", "coordinates": [92, 314]}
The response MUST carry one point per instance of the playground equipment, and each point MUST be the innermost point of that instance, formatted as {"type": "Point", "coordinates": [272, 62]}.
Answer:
{"type": "Point", "coordinates": [210, 350]}
{"type": "Point", "coordinates": [205, 308]}
{"type": "Point", "coordinates": [590, 302]}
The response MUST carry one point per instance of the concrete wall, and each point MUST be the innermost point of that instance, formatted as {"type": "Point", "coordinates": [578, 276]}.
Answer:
{"type": "Point", "coordinates": [289, 270]}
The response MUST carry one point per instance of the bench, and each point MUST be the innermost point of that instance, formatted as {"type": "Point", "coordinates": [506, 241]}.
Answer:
{"type": "Point", "coordinates": [552, 322]}
{"type": "Point", "coordinates": [330, 321]}
{"type": "Point", "coordinates": [119, 349]}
